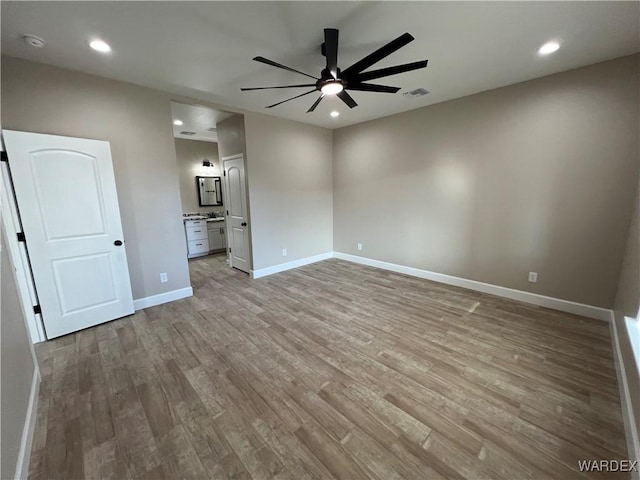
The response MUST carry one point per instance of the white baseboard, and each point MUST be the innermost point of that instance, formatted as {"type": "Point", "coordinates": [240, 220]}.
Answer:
{"type": "Point", "coordinates": [526, 297]}
{"type": "Point", "coordinates": [161, 298]}
{"type": "Point", "coordinates": [26, 442]}
{"type": "Point", "coordinates": [628, 416]}
{"type": "Point", "coordinates": [263, 272]}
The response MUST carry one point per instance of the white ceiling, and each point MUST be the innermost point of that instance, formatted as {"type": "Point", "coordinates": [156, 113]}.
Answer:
{"type": "Point", "coordinates": [198, 120]}
{"type": "Point", "coordinates": [204, 49]}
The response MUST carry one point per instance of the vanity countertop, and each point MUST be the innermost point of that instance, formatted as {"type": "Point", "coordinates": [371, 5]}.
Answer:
{"type": "Point", "coordinates": [202, 217]}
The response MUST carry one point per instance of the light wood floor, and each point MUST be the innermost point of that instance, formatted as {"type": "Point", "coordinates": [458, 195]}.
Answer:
{"type": "Point", "coordinates": [330, 370]}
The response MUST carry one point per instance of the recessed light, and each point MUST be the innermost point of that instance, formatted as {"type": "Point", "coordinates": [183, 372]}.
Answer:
{"type": "Point", "coordinates": [334, 114]}
{"type": "Point", "coordinates": [178, 122]}
{"type": "Point", "coordinates": [548, 48]}
{"type": "Point", "coordinates": [100, 46]}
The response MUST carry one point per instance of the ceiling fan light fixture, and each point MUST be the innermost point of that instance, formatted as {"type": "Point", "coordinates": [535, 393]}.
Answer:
{"type": "Point", "coordinates": [331, 88]}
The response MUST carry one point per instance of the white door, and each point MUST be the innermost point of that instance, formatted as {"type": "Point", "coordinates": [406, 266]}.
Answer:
{"type": "Point", "coordinates": [237, 218]}
{"type": "Point", "coordinates": [66, 195]}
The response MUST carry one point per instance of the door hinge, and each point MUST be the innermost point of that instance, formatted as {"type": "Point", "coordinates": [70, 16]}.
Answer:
{"type": "Point", "coordinates": [21, 237]}
{"type": "Point", "coordinates": [37, 310]}
{"type": "Point", "coordinates": [4, 157]}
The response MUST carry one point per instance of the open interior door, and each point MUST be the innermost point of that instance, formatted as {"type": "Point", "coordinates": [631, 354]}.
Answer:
{"type": "Point", "coordinates": [66, 195]}
{"type": "Point", "coordinates": [237, 213]}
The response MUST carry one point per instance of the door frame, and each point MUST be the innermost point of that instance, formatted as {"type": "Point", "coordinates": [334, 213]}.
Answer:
{"type": "Point", "coordinates": [19, 256]}
{"type": "Point", "coordinates": [225, 196]}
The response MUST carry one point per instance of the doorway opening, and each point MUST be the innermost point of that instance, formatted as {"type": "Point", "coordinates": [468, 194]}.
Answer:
{"type": "Point", "coordinates": [214, 210]}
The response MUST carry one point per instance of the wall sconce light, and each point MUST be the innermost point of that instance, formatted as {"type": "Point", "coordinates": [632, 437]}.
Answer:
{"type": "Point", "coordinates": [207, 163]}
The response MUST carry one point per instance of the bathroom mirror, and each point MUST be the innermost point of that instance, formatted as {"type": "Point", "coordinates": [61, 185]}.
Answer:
{"type": "Point", "coordinates": [209, 191]}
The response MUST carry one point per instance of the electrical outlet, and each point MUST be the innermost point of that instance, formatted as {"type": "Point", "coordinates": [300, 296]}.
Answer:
{"type": "Point", "coordinates": [533, 277]}
{"type": "Point", "coordinates": [284, 252]}
{"type": "Point", "coordinates": [164, 278]}
{"type": "Point", "coordinates": [359, 246]}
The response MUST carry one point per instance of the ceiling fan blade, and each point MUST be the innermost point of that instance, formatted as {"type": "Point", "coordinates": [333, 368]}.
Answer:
{"type": "Point", "coordinates": [315, 104]}
{"type": "Point", "coordinates": [346, 98]}
{"type": "Point", "coordinates": [378, 55]}
{"type": "Point", "coordinates": [385, 72]}
{"type": "Point", "coordinates": [292, 98]}
{"type": "Point", "coordinates": [283, 86]}
{"type": "Point", "coordinates": [371, 87]}
{"type": "Point", "coordinates": [284, 67]}
{"type": "Point", "coordinates": [331, 50]}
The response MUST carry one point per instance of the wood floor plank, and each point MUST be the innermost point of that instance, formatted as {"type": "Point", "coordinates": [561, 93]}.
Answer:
{"type": "Point", "coordinates": [330, 453]}
{"type": "Point", "coordinates": [157, 408]}
{"type": "Point", "coordinates": [104, 462]}
{"type": "Point", "coordinates": [289, 450]}
{"type": "Point", "coordinates": [329, 371]}
{"type": "Point", "coordinates": [176, 445]}
{"type": "Point", "coordinates": [128, 338]}
{"type": "Point", "coordinates": [436, 421]}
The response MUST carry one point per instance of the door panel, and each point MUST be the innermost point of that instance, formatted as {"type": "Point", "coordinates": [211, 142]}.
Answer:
{"type": "Point", "coordinates": [237, 217]}
{"type": "Point", "coordinates": [68, 204]}
{"type": "Point", "coordinates": [97, 288]}
{"type": "Point", "coordinates": [236, 199]}
{"type": "Point", "coordinates": [83, 202]}
{"type": "Point", "coordinates": [237, 247]}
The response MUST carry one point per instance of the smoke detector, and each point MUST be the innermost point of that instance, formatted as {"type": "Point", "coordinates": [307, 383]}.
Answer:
{"type": "Point", "coordinates": [34, 41]}
{"type": "Point", "coordinates": [418, 92]}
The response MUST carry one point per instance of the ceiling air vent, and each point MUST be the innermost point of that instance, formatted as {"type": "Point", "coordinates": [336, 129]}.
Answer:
{"type": "Point", "coordinates": [212, 129]}
{"type": "Point", "coordinates": [187, 133]}
{"type": "Point", "coordinates": [418, 92]}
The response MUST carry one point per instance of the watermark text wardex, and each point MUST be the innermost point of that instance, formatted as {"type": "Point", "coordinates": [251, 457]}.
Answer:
{"type": "Point", "coordinates": [608, 465]}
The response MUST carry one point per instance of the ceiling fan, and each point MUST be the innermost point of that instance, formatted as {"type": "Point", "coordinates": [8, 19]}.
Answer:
{"type": "Point", "coordinates": [334, 81]}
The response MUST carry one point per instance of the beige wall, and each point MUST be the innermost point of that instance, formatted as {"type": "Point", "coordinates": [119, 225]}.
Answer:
{"type": "Point", "coordinates": [137, 123]}
{"type": "Point", "coordinates": [190, 154]}
{"type": "Point", "coordinates": [231, 136]}
{"type": "Point", "coordinates": [17, 369]}
{"type": "Point", "coordinates": [290, 189]}
{"type": "Point", "coordinates": [532, 177]}
{"type": "Point", "coordinates": [627, 303]}
{"type": "Point", "coordinates": [538, 176]}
